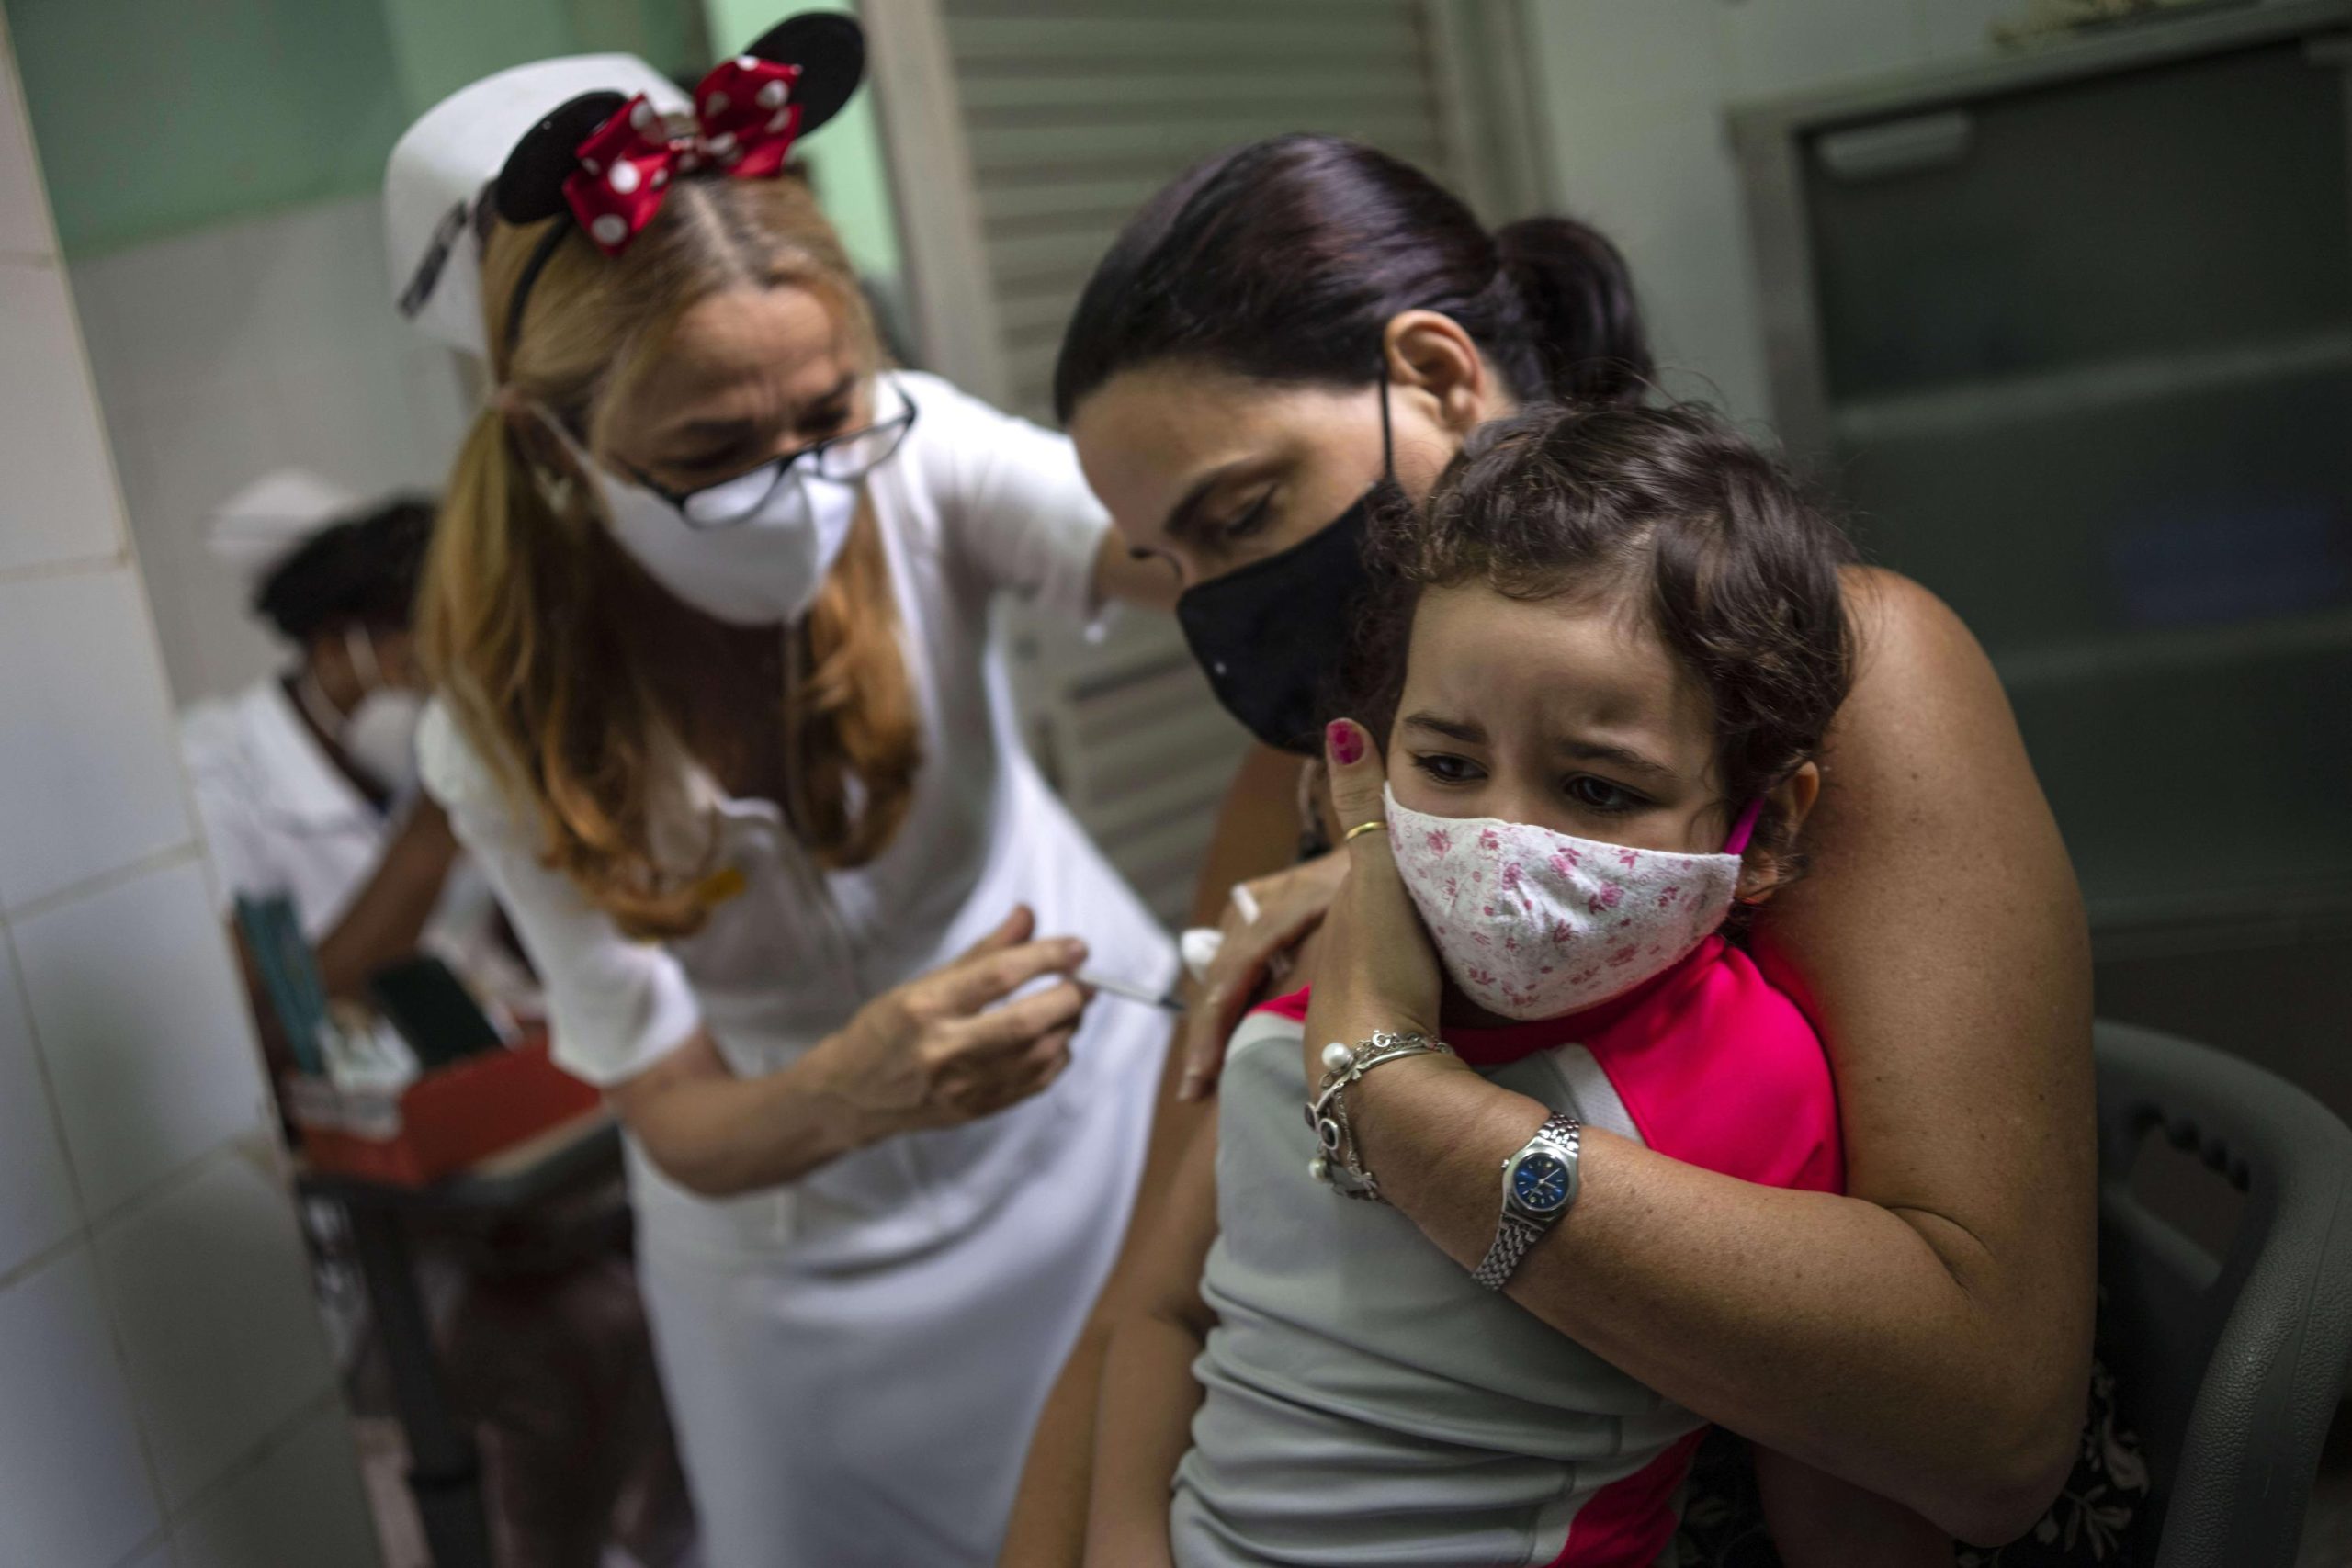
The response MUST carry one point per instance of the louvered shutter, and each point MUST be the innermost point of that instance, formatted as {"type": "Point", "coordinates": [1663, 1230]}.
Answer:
{"type": "Point", "coordinates": [1022, 134]}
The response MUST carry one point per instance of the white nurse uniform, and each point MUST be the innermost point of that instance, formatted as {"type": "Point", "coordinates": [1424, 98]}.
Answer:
{"type": "Point", "coordinates": [855, 1359]}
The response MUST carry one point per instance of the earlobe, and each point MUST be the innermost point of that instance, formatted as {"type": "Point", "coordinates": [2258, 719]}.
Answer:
{"type": "Point", "coordinates": [1788, 803]}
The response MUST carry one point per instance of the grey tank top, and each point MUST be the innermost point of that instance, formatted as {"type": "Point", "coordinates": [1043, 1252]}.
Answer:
{"type": "Point", "coordinates": [1365, 1401]}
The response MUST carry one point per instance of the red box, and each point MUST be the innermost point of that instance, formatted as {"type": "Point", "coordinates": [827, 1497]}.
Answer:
{"type": "Point", "coordinates": [450, 1118]}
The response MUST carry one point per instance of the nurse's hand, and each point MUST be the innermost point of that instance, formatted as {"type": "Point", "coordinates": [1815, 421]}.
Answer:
{"type": "Point", "coordinates": [938, 1051]}
{"type": "Point", "coordinates": [1265, 922]}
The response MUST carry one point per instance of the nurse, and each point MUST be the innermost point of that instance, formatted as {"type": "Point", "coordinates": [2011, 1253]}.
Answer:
{"type": "Point", "coordinates": [304, 780]}
{"type": "Point", "coordinates": [707, 615]}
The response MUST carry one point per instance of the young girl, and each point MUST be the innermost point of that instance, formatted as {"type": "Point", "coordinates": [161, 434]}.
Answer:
{"type": "Point", "coordinates": [1623, 641]}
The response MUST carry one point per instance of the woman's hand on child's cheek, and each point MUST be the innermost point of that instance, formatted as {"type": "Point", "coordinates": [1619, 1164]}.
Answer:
{"type": "Point", "coordinates": [1375, 968]}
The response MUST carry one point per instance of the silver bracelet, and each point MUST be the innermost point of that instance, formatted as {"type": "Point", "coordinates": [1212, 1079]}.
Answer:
{"type": "Point", "coordinates": [1336, 1163]}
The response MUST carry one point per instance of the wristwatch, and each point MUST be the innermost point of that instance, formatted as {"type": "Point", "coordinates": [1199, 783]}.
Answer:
{"type": "Point", "coordinates": [1539, 1183]}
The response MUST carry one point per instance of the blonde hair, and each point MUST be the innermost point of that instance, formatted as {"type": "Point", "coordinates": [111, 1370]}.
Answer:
{"type": "Point", "coordinates": [531, 619]}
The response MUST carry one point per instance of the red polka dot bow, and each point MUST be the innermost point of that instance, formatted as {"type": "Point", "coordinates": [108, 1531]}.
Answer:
{"type": "Point", "coordinates": [747, 113]}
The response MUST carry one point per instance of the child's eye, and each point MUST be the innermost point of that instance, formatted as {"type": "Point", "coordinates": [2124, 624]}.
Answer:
{"type": "Point", "coordinates": [1598, 794]}
{"type": "Point", "coordinates": [1448, 769]}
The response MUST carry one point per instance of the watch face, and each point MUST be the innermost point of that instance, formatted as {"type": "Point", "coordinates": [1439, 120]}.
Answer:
{"type": "Point", "coordinates": [1540, 1182]}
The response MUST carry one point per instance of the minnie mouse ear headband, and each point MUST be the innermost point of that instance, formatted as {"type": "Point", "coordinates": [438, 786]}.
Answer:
{"type": "Point", "coordinates": [606, 154]}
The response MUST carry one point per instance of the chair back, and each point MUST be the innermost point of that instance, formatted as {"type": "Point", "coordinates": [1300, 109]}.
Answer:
{"type": "Point", "coordinates": [2231, 1368]}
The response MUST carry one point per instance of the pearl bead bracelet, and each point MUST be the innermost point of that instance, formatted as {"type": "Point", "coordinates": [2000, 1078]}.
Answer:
{"type": "Point", "coordinates": [1336, 1163]}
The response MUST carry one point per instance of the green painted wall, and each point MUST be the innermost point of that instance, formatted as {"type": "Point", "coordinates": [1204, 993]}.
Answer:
{"type": "Point", "coordinates": [155, 117]}
{"type": "Point", "coordinates": [441, 45]}
{"type": "Point", "coordinates": [158, 116]}
{"type": "Point", "coordinates": [844, 158]}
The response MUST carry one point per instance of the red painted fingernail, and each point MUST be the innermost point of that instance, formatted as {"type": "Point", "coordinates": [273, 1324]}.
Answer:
{"type": "Point", "coordinates": [1345, 745]}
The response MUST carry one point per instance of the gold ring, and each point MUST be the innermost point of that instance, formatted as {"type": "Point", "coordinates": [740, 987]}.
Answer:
{"type": "Point", "coordinates": [1349, 837]}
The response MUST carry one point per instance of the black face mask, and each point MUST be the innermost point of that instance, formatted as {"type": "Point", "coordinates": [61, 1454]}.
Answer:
{"type": "Point", "coordinates": [1274, 635]}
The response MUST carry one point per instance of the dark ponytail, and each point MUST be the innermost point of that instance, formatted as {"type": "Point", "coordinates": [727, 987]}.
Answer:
{"type": "Point", "coordinates": [1579, 304]}
{"type": "Point", "coordinates": [1284, 260]}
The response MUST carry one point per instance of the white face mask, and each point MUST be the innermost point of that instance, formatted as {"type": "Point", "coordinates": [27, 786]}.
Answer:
{"type": "Point", "coordinates": [764, 569]}
{"type": "Point", "coordinates": [1532, 923]}
{"type": "Point", "coordinates": [380, 736]}
{"type": "Point", "coordinates": [379, 733]}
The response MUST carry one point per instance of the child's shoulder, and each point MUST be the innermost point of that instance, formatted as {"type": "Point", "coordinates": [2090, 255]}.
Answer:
{"type": "Point", "coordinates": [1290, 1009]}
{"type": "Point", "coordinates": [1722, 1002]}
{"type": "Point", "coordinates": [1721, 1068]}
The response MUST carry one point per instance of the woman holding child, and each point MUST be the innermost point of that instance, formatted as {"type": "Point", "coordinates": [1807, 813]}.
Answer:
{"type": "Point", "coordinates": [1288, 332]}
{"type": "Point", "coordinates": [708, 611]}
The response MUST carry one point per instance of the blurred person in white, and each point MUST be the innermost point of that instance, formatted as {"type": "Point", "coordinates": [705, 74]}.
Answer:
{"type": "Point", "coordinates": [306, 782]}
{"type": "Point", "coordinates": [717, 707]}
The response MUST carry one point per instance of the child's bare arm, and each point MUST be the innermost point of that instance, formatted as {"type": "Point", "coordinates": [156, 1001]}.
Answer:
{"type": "Point", "coordinates": [1143, 1424]}
{"type": "Point", "coordinates": [1818, 1521]}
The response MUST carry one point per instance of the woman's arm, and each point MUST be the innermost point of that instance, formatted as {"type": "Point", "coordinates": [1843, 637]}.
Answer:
{"type": "Point", "coordinates": [931, 1052]}
{"type": "Point", "coordinates": [717, 1134]}
{"type": "Point", "coordinates": [1143, 1424]}
{"type": "Point", "coordinates": [387, 917]}
{"type": "Point", "coordinates": [1927, 1336]}
{"type": "Point", "coordinates": [1818, 1521]}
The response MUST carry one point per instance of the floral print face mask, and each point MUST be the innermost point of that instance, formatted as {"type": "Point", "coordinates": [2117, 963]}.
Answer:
{"type": "Point", "coordinates": [1532, 923]}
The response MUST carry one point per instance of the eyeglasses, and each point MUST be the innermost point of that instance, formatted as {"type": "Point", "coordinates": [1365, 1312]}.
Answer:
{"type": "Point", "coordinates": [840, 460]}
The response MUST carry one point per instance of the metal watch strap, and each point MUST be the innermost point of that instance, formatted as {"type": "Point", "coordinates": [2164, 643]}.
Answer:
{"type": "Point", "coordinates": [1512, 1239]}
{"type": "Point", "coordinates": [1519, 1231]}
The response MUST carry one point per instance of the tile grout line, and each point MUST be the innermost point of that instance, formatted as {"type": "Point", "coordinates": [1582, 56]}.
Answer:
{"type": "Point", "coordinates": [86, 1234]}
{"type": "Point", "coordinates": [49, 1101]}
{"type": "Point", "coordinates": [265, 1448]}
{"type": "Point", "coordinates": [144, 1197]}
{"type": "Point", "coordinates": [160, 1536]}
{"type": "Point", "coordinates": [105, 882]}
{"type": "Point", "coordinates": [34, 1262]}
{"type": "Point", "coordinates": [88, 1229]}
{"type": "Point", "coordinates": [95, 406]}
{"type": "Point", "coordinates": [65, 565]}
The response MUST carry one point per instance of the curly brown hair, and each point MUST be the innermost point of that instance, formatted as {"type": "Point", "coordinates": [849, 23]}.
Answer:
{"type": "Point", "coordinates": [1735, 569]}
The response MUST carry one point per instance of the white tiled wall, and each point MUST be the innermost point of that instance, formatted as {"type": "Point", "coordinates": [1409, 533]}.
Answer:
{"type": "Point", "coordinates": [221, 354]}
{"type": "Point", "coordinates": [86, 740]}
{"type": "Point", "coordinates": [75, 1486]}
{"type": "Point", "coordinates": [1634, 93]}
{"type": "Point", "coordinates": [221, 1340]}
{"type": "Point", "coordinates": [165, 1396]}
